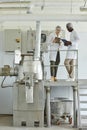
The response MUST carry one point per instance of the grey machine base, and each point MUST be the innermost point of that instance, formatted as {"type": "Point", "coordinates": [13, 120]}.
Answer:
{"type": "Point", "coordinates": [28, 114]}
{"type": "Point", "coordinates": [28, 118]}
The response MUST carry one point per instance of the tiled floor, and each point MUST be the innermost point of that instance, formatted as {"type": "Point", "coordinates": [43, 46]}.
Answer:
{"type": "Point", "coordinates": [6, 124]}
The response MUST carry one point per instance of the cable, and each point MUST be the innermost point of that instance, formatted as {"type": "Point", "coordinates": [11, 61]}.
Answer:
{"type": "Point", "coordinates": [43, 4]}
{"type": "Point", "coordinates": [85, 2]}
{"type": "Point", "coordinates": [2, 84]}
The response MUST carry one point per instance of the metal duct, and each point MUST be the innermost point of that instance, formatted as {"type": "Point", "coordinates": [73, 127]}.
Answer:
{"type": "Point", "coordinates": [38, 40]}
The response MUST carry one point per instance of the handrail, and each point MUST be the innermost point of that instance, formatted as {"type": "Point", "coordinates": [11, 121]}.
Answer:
{"type": "Point", "coordinates": [62, 65]}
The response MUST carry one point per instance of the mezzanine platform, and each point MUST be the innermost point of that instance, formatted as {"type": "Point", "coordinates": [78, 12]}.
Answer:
{"type": "Point", "coordinates": [63, 82]}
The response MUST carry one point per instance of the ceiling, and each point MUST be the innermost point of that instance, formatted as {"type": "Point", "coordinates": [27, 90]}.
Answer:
{"type": "Point", "coordinates": [41, 6]}
{"type": "Point", "coordinates": [43, 9]}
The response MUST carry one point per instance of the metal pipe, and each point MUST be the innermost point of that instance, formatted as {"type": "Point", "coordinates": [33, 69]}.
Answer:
{"type": "Point", "coordinates": [39, 4]}
{"type": "Point", "coordinates": [75, 105]}
{"type": "Point", "coordinates": [52, 17]}
{"type": "Point", "coordinates": [79, 117]}
{"type": "Point", "coordinates": [8, 72]}
{"type": "Point", "coordinates": [38, 40]}
{"type": "Point", "coordinates": [13, 2]}
{"type": "Point", "coordinates": [13, 72]}
{"type": "Point", "coordinates": [55, 4]}
{"type": "Point", "coordinates": [48, 113]}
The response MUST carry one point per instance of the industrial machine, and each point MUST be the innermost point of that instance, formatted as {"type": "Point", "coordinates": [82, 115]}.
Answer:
{"type": "Point", "coordinates": [28, 89]}
{"type": "Point", "coordinates": [28, 104]}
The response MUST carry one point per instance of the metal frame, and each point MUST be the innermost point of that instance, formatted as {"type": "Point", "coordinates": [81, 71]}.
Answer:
{"type": "Point", "coordinates": [27, 17]}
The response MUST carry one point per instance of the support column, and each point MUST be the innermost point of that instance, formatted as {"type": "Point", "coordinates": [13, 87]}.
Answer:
{"type": "Point", "coordinates": [38, 40]}
{"type": "Point", "coordinates": [48, 112]}
{"type": "Point", "coordinates": [75, 106]}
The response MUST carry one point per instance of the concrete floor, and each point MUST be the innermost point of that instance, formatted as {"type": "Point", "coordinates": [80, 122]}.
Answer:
{"type": "Point", "coordinates": [6, 124]}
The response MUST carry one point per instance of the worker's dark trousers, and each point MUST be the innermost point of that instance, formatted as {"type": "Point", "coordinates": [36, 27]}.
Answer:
{"type": "Point", "coordinates": [54, 65]}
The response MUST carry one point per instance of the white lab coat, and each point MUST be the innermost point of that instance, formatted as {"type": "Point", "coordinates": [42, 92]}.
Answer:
{"type": "Point", "coordinates": [74, 40]}
{"type": "Point", "coordinates": [53, 47]}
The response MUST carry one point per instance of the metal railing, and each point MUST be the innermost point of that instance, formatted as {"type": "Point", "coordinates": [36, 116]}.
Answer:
{"type": "Point", "coordinates": [61, 72]}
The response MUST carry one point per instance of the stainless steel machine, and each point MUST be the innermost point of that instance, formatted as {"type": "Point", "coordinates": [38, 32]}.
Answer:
{"type": "Point", "coordinates": [28, 89]}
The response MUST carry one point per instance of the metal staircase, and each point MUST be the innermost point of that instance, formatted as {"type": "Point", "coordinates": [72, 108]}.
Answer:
{"type": "Point", "coordinates": [82, 98]}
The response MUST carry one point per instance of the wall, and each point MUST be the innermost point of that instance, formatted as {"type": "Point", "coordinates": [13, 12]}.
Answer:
{"type": "Point", "coordinates": [7, 58]}
{"type": "Point", "coordinates": [5, 93]}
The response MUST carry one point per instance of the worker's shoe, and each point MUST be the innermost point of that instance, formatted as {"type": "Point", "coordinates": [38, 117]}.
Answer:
{"type": "Point", "coordinates": [52, 78]}
{"type": "Point", "coordinates": [70, 79]}
{"type": "Point", "coordinates": [55, 79]}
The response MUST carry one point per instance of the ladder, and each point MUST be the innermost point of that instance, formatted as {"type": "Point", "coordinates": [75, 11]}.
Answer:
{"type": "Point", "coordinates": [82, 108]}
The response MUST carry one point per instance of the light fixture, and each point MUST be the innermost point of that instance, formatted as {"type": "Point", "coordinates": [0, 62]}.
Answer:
{"type": "Point", "coordinates": [14, 5]}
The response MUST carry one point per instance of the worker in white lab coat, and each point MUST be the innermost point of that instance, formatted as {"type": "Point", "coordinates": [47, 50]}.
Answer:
{"type": "Point", "coordinates": [71, 55]}
{"type": "Point", "coordinates": [54, 44]}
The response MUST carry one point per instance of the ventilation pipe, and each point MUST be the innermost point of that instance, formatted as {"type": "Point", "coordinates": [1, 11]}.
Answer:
{"type": "Point", "coordinates": [38, 40]}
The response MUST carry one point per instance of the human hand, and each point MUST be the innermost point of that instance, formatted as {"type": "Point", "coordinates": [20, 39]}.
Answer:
{"type": "Point", "coordinates": [67, 43]}
{"type": "Point", "coordinates": [57, 40]}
